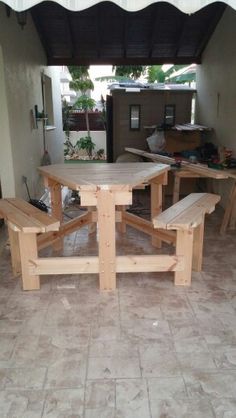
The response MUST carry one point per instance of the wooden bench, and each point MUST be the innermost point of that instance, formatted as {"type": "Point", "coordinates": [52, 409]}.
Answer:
{"type": "Point", "coordinates": [187, 218]}
{"type": "Point", "coordinates": [24, 223]}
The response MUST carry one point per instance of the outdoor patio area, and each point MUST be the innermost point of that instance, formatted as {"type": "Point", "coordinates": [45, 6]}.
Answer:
{"type": "Point", "coordinates": [147, 350]}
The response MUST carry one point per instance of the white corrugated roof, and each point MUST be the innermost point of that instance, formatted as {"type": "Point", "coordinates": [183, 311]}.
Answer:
{"type": "Point", "coordinates": [186, 6]}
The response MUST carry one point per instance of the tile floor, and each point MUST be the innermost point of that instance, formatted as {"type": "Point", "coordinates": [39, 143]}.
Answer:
{"type": "Point", "coordinates": [147, 350]}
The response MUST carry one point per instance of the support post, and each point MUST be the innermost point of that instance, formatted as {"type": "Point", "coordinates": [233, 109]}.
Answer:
{"type": "Point", "coordinates": [15, 251]}
{"type": "Point", "coordinates": [184, 247]}
{"type": "Point", "coordinates": [198, 236]}
{"type": "Point", "coordinates": [28, 251]}
{"type": "Point", "coordinates": [156, 207]}
{"type": "Point", "coordinates": [106, 243]}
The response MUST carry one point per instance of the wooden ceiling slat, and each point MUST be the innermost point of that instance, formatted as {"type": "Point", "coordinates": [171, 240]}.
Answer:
{"type": "Point", "coordinates": [107, 34]}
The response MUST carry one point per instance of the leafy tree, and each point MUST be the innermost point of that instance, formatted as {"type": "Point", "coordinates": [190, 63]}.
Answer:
{"type": "Point", "coordinates": [155, 73]}
{"type": "Point", "coordinates": [132, 71]}
{"type": "Point", "coordinates": [82, 82]}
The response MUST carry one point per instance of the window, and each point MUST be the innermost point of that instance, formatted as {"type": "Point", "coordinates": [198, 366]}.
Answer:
{"type": "Point", "coordinates": [47, 99]}
{"type": "Point", "coordinates": [134, 120]}
{"type": "Point", "coordinates": [169, 115]}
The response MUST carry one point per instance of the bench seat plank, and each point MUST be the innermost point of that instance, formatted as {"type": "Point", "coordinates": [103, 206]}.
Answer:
{"type": "Point", "coordinates": [187, 213]}
{"type": "Point", "coordinates": [27, 218]}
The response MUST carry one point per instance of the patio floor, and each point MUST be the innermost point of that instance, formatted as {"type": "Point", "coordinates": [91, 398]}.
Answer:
{"type": "Point", "coordinates": [147, 350]}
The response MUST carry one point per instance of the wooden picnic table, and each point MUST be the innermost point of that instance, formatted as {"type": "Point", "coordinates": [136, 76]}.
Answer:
{"type": "Point", "coordinates": [104, 186]}
{"type": "Point", "coordinates": [189, 170]}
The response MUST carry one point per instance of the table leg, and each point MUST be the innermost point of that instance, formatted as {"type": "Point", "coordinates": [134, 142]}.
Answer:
{"type": "Point", "coordinates": [15, 251]}
{"type": "Point", "coordinates": [156, 207]}
{"type": "Point", "coordinates": [176, 189]}
{"type": "Point", "coordinates": [121, 227]}
{"type": "Point", "coordinates": [228, 209]}
{"type": "Point", "coordinates": [56, 204]}
{"type": "Point", "coordinates": [106, 243]}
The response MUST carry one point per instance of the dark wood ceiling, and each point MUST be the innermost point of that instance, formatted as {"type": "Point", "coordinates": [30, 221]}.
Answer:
{"type": "Point", "coordinates": [107, 34]}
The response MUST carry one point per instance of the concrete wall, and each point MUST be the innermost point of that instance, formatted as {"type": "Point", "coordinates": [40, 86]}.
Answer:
{"type": "Point", "coordinates": [152, 113]}
{"type": "Point", "coordinates": [21, 65]}
{"type": "Point", "coordinates": [216, 89]}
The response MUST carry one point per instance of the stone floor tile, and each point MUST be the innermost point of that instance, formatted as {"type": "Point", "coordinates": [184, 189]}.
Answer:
{"type": "Point", "coordinates": [67, 337]}
{"type": "Point", "coordinates": [100, 413]}
{"type": "Point", "coordinates": [211, 385]}
{"type": "Point", "coordinates": [196, 360]}
{"type": "Point", "coordinates": [225, 359]}
{"type": "Point", "coordinates": [21, 403]}
{"type": "Point", "coordinates": [69, 370]}
{"type": "Point", "coordinates": [224, 408]}
{"type": "Point", "coordinates": [143, 329]}
{"type": "Point", "coordinates": [113, 348]}
{"type": "Point", "coordinates": [7, 342]}
{"type": "Point", "coordinates": [173, 408]}
{"type": "Point", "coordinates": [132, 399]}
{"type": "Point", "coordinates": [166, 387]}
{"type": "Point", "coordinates": [113, 368]}
{"type": "Point", "coordinates": [100, 394]}
{"type": "Point", "coordinates": [105, 332]}
{"type": "Point", "coordinates": [191, 345]}
{"type": "Point", "coordinates": [22, 378]}
{"type": "Point", "coordinates": [64, 403]}
{"type": "Point", "coordinates": [158, 364]}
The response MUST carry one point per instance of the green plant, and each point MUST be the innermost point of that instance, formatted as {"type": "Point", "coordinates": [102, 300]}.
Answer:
{"type": "Point", "coordinates": [86, 144]}
{"type": "Point", "coordinates": [100, 153]}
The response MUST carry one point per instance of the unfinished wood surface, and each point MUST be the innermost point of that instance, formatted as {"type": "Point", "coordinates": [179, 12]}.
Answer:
{"type": "Point", "coordinates": [228, 209]}
{"type": "Point", "coordinates": [188, 212]}
{"type": "Point", "coordinates": [90, 265]}
{"type": "Point", "coordinates": [56, 199]}
{"type": "Point", "coordinates": [26, 217]}
{"type": "Point", "coordinates": [147, 227]}
{"type": "Point", "coordinates": [121, 227]}
{"type": "Point", "coordinates": [156, 207]}
{"type": "Point", "coordinates": [63, 265]}
{"type": "Point", "coordinates": [178, 175]}
{"type": "Point", "coordinates": [49, 238]}
{"type": "Point", "coordinates": [106, 242]}
{"type": "Point", "coordinates": [93, 176]}
{"type": "Point", "coordinates": [184, 247]}
{"type": "Point", "coordinates": [28, 250]}
{"type": "Point", "coordinates": [198, 236]}
{"type": "Point", "coordinates": [201, 169]}
{"type": "Point", "coordinates": [124, 196]}
{"type": "Point", "coordinates": [15, 251]}
{"type": "Point", "coordinates": [149, 263]}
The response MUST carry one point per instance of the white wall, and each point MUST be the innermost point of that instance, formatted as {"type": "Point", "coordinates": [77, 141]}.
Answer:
{"type": "Point", "coordinates": [24, 60]}
{"type": "Point", "coordinates": [216, 88]}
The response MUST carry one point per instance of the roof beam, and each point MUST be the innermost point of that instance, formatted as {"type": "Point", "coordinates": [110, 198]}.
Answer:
{"type": "Point", "coordinates": [123, 61]}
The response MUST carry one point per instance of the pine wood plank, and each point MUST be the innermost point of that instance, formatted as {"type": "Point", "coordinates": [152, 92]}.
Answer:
{"type": "Point", "coordinates": [156, 208]}
{"type": "Point", "coordinates": [184, 247]}
{"type": "Point", "coordinates": [92, 177]}
{"type": "Point", "coordinates": [15, 251]}
{"type": "Point", "coordinates": [146, 226]}
{"type": "Point", "coordinates": [50, 223]}
{"type": "Point", "coordinates": [198, 237]}
{"type": "Point", "coordinates": [28, 250]}
{"type": "Point", "coordinates": [187, 212]}
{"type": "Point", "coordinates": [90, 265]}
{"type": "Point", "coordinates": [19, 213]}
{"type": "Point", "coordinates": [106, 242]}
{"type": "Point", "coordinates": [196, 168]}
{"type": "Point", "coordinates": [63, 265]}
